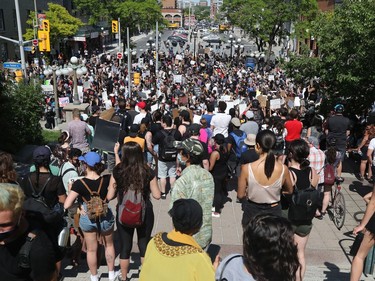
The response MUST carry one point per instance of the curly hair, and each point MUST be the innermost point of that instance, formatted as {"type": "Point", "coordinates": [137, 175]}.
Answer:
{"type": "Point", "coordinates": [270, 253]}
{"type": "Point", "coordinates": [7, 172]}
{"type": "Point", "coordinates": [132, 173]}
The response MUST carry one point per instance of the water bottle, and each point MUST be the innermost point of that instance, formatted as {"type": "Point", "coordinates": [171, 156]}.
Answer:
{"type": "Point", "coordinates": [62, 240]}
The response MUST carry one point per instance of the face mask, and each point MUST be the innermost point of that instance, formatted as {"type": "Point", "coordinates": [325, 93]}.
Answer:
{"type": "Point", "coordinates": [179, 157]}
{"type": "Point", "coordinates": [6, 235]}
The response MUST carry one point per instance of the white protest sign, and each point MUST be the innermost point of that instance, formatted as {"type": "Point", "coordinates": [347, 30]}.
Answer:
{"type": "Point", "coordinates": [63, 101]}
{"type": "Point", "coordinates": [275, 104]}
{"type": "Point", "coordinates": [297, 101]}
{"type": "Point", "coordinates": [154, 107]}
{"type": "Point", "coordinates": [177, 78]}
{"type": "Point", "coordinates": [242, 108]}
{"type": "Point", "coordinates": [230, 105]}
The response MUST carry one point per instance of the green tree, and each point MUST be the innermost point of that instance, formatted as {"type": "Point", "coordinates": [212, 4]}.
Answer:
{"type": "Point", "coordinates": [141, 14]}
{"type": "Point", "coordinates": [265, 20]}
{"type": "Point", "coordinates": [95, 10]}
{"type": "Point", "coordinates": [62, 24]}
{"type": "Point", "coordinates": [344, 39]}
{"type": "Point", "coordinates": [20, 112]}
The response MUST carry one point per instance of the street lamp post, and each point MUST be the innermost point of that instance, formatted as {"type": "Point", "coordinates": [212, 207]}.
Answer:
{"type": "Point", "coordinates": [231, 41]}
{"type": "Point", "coordinates": [195, 35]}
{"type": "Point", "coordinates": [77, 70]}
{"type": "Point", "coordinates": [55, 71]}
{"type": "Point", "coordinates": [238, 48]}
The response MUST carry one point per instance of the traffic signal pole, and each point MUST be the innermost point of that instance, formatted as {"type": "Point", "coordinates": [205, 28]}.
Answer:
{"type": "Point", "coordinates": [22, 53]}
{"type": "Point", "coordinates": [119, 39]}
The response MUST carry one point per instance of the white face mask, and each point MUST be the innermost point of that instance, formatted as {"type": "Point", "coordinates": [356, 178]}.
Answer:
{"type": "Point", "coordinates": [179, 157]}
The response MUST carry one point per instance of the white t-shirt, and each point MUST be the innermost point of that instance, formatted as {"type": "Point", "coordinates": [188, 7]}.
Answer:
{"type": "Point", "coordinates": [138, 118]}
{"type": "Point", "coordinates": [372, 146]}
{"type": "Point", "coordinates": [220, 122]}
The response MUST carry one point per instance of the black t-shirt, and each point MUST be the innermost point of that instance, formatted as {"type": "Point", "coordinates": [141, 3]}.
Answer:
{"type": "Point", "coordinates": [93, 185]}
{"type": "Point", "coordinates": [42, 259]}
{"type": "Point", "coordinates": [205, 154]}
{"type": "Point", "coordinates": [249, 156]}
{"type": "Point", "coordinates": [54, 188]}
{"type": "Point", "coordinates": [155, 127]}
{"type": "Point", "coordinates": [92, 121]}
{"type": "Point", "coordinates": [337, 127]}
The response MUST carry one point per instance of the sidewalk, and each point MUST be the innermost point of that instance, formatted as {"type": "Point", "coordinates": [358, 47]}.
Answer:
{"type": "Point", "coordinates": [327, 249]}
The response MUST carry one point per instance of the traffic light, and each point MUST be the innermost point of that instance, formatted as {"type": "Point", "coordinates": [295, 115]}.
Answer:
{"type": "Point", "coordinates": [44, 44]}
{"type": "Point", "coordinates": [114, 26]}
{"type": "Point", "coordinates": [45, 24]}
{"type": "Point", "coordinates": [136, 78]}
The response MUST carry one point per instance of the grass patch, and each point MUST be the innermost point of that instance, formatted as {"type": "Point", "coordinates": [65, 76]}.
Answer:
{"type": "Point", "coordinates": [50, 135]}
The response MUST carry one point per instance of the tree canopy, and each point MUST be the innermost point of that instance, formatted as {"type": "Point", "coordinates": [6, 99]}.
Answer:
{"type": "Point", "coordinates": [265, 20]}
{"type": "Point", "coordinates": [62, 24]}
{"type": "Point", "coordinates": [344, 39]}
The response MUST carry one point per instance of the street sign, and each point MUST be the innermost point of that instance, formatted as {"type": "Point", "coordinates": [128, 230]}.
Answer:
{"type": "Point", "coordinates": [35, 42]}
{"type": "Point", "coordinates": [27, 48]}
{"type": "Point", "coordinates": [119, 56]}
{"type": "Point", "coordinates": [12, 65]}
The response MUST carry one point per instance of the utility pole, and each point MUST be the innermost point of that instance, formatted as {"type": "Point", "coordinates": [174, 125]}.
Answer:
{"type": "Point", "coordinates": [157, 53]}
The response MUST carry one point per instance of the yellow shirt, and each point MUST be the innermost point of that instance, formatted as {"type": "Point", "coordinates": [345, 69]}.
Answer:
{"type": "Point", "coordinates": [138, 140]}
{"type": "Point", "coordinates": [165, 262]}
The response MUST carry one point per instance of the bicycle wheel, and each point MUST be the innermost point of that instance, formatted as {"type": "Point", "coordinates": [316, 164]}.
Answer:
{"type": "Point", "coordinates": [339, 210]}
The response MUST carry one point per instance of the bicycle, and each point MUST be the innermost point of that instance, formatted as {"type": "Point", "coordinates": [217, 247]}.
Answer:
{"type": "Point", "coordinates": [336, 208]}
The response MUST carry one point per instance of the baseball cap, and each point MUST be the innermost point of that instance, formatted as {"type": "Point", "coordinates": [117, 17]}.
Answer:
{"type": "Point", "coordinates": [249, 114]}
{"type": "Point", "coordinates": [250, 139]}
{"type": "Point", "coordinates": [141, 105]}
{"type": "Point", "coordinates": [236, 122]}
{"type": "Point", "coordinates": [314, 141]}
{"type": "Point", "coordinates": [192, 146]}
{"type": "Point", "coordinates": [194, 129]}
{"type": "Point", "coordinates": [91, 158]}
{"type": "Point", "coordinates": [41, 153]}
{"type": "Point", "coordinates": [339, 108]}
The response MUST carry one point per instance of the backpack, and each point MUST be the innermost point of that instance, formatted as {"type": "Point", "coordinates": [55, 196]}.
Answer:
{"type": "Point", "coordinates": [280, 142]}
{"type": "Point", "coordinates": [36, 206]}
{"type": "Point", "coordinates": [121, 118]}
{"type": "Point", "coordinates": [167, 152]}
{"type": "Point", "coordinates": [258, 118]}
{"type": "Point", "coordinates": [329, 174]}
{"type": "Point", "coordinates": [132, 208]}
{"type": "Point", "coordinates": [241, 147]}
{"type": "Point", "coordinates": [96, 207]}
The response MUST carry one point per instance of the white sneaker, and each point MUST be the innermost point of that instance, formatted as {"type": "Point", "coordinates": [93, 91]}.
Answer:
{"type": "Point", "coordinates": [213, 209]}
{"type": "Point", "coordinates": [115, 277]}
{"type": "Point", "coordinates": [215, 215]}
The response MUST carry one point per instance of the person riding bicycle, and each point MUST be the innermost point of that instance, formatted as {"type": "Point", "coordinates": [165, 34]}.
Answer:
{"type": "Point", "coordinates": [337, 131]}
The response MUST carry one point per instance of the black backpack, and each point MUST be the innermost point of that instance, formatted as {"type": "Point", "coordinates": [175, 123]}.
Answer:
{"type": "Point", "coordinates": [280, 142]}
{"type": "Point", "coordinates": [167, 152]}
{"type": "Point", "coordinates": [258, 117]}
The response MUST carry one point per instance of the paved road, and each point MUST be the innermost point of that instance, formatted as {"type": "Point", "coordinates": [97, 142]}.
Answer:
{"type": "Point", "coordinates": [327, 248]}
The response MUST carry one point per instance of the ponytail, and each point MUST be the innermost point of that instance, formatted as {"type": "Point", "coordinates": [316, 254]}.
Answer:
{"type": "Point", "coordinates": [304, 163]}
{"type": "Point", "coordinates": [269, 164]}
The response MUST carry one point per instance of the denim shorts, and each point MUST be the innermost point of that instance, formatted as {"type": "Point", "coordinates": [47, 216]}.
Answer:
{"type": "Point", "coordinates": [106, 223]}
{"type": "Point", "coordinates": [166, 169]}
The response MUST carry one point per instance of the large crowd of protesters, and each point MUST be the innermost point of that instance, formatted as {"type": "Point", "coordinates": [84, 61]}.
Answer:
{"type": "Point", "coordinates": [252, 130]}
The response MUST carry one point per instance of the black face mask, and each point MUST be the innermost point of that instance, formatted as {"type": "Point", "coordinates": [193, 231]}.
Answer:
{"type": "Point", "coordinates": [6, 235]}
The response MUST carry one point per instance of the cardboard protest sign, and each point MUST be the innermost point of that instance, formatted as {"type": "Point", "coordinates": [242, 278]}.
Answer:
{"type": "Point", "coordinates": [106, 134]}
